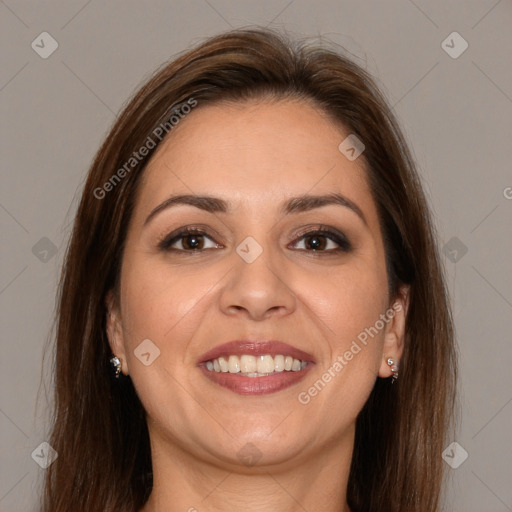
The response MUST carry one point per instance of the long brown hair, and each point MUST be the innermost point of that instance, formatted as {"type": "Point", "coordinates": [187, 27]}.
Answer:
{"type": "Point", "coordinates": [99, 427]}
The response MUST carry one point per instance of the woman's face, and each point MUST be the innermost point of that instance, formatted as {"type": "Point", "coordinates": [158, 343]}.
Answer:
{"type": "Point", "coordinates": [269, 263]}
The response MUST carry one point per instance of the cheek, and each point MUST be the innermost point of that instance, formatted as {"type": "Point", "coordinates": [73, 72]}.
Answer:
{"type": "Point", "coordinates": [349, 302]}
{"type": "Point", "coordinates": [165, 306]}
{"type": "Point", "coordinates": [162, 304]}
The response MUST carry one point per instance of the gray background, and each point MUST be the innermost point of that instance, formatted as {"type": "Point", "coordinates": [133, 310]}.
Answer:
{"type": "Point", "coordinates": [456, 114]}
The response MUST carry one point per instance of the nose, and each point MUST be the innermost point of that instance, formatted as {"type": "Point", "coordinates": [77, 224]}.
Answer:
{"type": "Point", "coordinates": [258, 289]}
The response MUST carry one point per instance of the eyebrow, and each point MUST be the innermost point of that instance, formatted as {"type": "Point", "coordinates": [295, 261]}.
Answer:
{"type": "Point", "coordinates": [298, 204]}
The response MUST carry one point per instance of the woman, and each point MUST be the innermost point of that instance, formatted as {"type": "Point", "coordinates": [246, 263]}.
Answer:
{"type": "Point", "coordinates": [252, 261]}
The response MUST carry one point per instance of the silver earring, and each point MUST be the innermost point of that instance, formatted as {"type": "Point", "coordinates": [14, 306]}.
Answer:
{"type": "Point", "coordinates": [116, 364]}
{"type": "Point", "coordinates": [394, 369]}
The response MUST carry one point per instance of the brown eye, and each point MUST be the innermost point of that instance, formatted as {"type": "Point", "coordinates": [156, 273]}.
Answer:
{"type": "Point", "coordinates": [187, 240]}
{"type": "Point", "coordinates": [193, 242]}
{"type": "Point", "coordinates": [323, 241]}
{"type": "Point", "coordinates": [315, 242]}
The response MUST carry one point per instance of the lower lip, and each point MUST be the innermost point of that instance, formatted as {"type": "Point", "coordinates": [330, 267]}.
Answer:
{"type": "Point", "coordinates": [256, 385]}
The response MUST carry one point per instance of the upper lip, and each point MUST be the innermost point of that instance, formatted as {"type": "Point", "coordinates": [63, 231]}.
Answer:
{"type": "Point", "coordinates": [255, 348]}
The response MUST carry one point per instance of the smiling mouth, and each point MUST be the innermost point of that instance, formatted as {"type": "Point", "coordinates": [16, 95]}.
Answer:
{"type": "Point", "coordinates": [248, 365]}
{"type": "Point", "coordinates": [255, 375]}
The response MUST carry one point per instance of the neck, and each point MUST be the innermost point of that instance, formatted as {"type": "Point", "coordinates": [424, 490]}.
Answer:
{"type": "Point", "coordinates": [182, 482]}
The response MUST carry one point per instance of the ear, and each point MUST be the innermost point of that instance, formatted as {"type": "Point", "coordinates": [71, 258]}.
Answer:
{"type": "Point", "coordinates": [115, 330]}
{"type": "Point", "coordinates": [395, 331]}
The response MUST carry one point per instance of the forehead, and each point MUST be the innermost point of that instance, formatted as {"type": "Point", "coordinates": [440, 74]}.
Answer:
{"type": "Point", "coordinates": [253, 152]}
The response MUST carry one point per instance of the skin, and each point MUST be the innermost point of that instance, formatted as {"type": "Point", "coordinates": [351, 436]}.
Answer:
{"type": "Point", "coordinates": [255, 155]}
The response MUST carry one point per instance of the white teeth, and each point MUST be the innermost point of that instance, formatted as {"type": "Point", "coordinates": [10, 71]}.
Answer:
{"type": "Point", "coordinates": [279, 363]}
{"type": "Point", "coordinates": [295, 365]}
{"type": "Point", "coordinates": [224, 365]}
{"type": "Point", "coordinates": [247, 363]}
{"type": "Point", "coordinates": [255, 366]}
{"type": "Point", "coordinates": [265, 364]}
{"type": "Point", "coordinates": [233, 364]}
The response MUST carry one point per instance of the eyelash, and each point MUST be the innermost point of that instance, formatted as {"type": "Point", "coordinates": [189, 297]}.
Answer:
{"type": "Point", "coordinates": [321, 231]}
